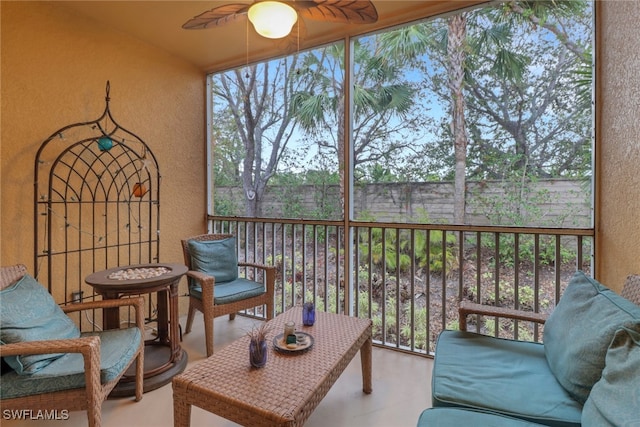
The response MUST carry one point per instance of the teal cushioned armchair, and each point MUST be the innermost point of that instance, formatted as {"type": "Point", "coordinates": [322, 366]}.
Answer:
{"type": "Point", "coordinates": [55, 366]}
{"type": "Point", "coordinates": [215, 288]}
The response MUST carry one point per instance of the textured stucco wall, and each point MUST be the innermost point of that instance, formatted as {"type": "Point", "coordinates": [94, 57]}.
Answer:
{"type": "Point", "coordinates": [55, 65]}
{"type": "Point", "coordinates": [618, 214]}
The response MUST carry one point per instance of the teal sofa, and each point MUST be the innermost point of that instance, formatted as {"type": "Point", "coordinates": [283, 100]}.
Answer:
{"type": "Point", "coordinates": [585, 373]}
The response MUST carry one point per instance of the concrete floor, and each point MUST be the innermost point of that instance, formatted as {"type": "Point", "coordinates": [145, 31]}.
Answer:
{"type": "Point", "coordinates": [401, 391]}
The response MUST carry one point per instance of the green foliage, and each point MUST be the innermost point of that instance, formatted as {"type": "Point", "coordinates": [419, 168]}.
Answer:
{"type": "Point", "coordinates": [289, 195]}
{"type": "Point", "coordinates": [453, 325]}
{"type": "Point", "coordinates": [363, 274]}
{"type": "Point", "coordinates": [379, 173]}
{"type": "Point", "coordinates": [327, 205]}
{"type": "Point", "coordinates": [420, 327]}
{"type": "Point", "coordinates": [506, 327]}
{"type": "Point", "coordinates": [363, 311]}
{"type": "Point", "coordinates": [506, 295]}
{"type": "Point", "coordinates": [396, 252]}
{"type": "Point", "coordinates": [331, 299]}
{"type": "Point", "coordinates": [366, 216]}
{"type": "Point", "coordinates": [440, 255]}
{"type": "Point", "coordinates": [517, 201]}
{"type": "Point", "coordinates": [319, 235]}
{"type": "Point", "coordinates": [228, 152]}
{"type": "Point", "coordinates": [225, 206]}
{"type": "Point", "coordinates": [385, 251]}
{"type": "Point", "coordinates": [277, 261]}
{"type": "Point", "coordinates": [291, 192]}
{"type": "Point", "coordinates": [490, 326]}
{"type": "Point", "coordinates": [526, 250]}
{"type": "Point", "coordinates": [524, 333]}
{"type": "Point", "coordinates": [288, 290]}
{"type": "Point", "coordinates": [321, 177]}
{"type": "Point", "coordinates": [390, 315]}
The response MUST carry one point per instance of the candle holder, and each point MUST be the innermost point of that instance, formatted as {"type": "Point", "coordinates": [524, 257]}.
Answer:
{"type": "Point", "coordinates": [289, 329]}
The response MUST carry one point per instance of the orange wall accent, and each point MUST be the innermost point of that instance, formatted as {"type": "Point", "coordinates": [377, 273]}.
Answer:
{"type": "Point", "coordinates": [618, 136]}
{"type": "Point", "coordinates": [55, 65]}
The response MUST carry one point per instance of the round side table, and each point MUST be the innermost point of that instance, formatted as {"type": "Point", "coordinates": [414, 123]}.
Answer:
{"type": "Point", "coordinates": [163, 356]}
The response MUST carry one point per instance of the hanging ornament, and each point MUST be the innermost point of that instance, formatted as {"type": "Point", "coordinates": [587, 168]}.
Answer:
{"type": "Point", "coordinates": [105, 143]}
{"type": "Point", "coordinates": [144, 161]}
{"type": "Point", "coordinates": [139, 189]}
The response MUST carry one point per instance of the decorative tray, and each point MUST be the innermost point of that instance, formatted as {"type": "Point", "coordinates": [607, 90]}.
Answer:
{"type": "Point", "coordinates": [304, 342]}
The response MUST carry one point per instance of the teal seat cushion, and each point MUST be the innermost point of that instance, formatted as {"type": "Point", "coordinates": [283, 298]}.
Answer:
{"type": "Point", "coordinates": [457, 417]}
{"type": "Point", "coordinates": [29, 313]}
{"type": "Point", "coordinates": [580, 329]}
{"type": "Point", "coordinates": [235, 290]}
{"type": "Point", "coordinates": [215, 258]}
{"type": "Point", "coordinates": [615, 399]}
{"type": "Point", "coordinates": [504, 376]}
{"type": "Point", "coordinates": [117, 348]}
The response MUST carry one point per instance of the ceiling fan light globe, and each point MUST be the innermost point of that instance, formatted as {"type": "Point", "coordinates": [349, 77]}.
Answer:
{"type": "Point", "coordinates": [272, 19]}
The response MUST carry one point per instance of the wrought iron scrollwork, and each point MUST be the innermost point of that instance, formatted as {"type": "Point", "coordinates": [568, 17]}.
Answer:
{"type": "Point", "coordinates": [96, 202]}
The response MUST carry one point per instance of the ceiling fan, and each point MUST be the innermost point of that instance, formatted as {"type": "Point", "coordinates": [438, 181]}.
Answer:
{"type": "Point", "coordinates": [275, 19]}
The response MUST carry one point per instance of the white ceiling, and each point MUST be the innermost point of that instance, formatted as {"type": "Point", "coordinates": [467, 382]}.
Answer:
{"type": "Point", "coordinates": [159, 23]}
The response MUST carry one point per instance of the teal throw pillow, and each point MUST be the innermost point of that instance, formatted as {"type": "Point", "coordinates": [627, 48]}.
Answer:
{"type": "Point", "coordinates": [215, 258]}
{"type": "Point", "coordinates": [615, 399]}
{"type": "Point", "coordinates": [29, 313]}
{"type": "Point", "coordinates": [580, 329]}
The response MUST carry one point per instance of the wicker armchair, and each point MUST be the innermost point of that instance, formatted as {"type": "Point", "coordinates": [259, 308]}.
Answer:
{"type": "Point", "coordinates": [630, 291]}
{"type": "Point", "coordinates": [203, 296]}
{"type": "Point", "coordinates": [96, 383]}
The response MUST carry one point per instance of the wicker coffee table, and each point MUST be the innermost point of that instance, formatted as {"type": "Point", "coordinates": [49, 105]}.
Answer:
{"type": "Point", "coordinates": [285, 391]}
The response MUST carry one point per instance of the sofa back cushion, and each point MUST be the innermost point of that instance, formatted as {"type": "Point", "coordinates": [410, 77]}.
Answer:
{"type": "Point", "coordinates": [29, 313]}
{"type": "Point", "coordinates": [615, 398]}
{"type": "Point", "coordinates": [580, 329]}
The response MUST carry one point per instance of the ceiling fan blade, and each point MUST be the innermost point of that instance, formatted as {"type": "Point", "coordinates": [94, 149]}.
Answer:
{"type": "Point", "coordinates": [345, 11]}
{"type": "Point", "coordinates": [217, 16]}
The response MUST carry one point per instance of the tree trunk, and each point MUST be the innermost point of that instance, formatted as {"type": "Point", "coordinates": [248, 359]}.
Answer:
{"type": "Point", "coordinates": [456, 56]}
{"type": "Point", "coordinates": [341, 159]}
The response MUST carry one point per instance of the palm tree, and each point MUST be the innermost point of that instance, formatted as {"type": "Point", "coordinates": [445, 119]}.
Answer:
{"type": "Point", "coordinates": [379, 95]}
{"type": "Point", "coordinates": [456, 57]}
{"type": "Point", "coordinates": [461, 47]}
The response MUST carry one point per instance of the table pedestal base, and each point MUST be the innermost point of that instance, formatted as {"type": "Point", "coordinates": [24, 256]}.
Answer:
{"type": "Point", "coordinates": [163, 356]}
{"type": "Point", "coordinates": [154, 356]}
